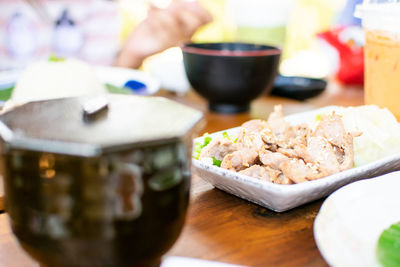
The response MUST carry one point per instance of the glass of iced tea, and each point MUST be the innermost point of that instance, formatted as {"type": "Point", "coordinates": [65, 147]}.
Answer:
{"type": "Point", "coordinates": [381, 22]}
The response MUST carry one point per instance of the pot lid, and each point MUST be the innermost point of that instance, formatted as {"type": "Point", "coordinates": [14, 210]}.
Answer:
{"type": "Point", "coordinates": [89, 126]}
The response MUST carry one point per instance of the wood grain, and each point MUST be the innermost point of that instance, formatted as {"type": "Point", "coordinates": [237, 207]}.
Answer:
{"type": "Point", "coordinates": [1, 193]}
{"type": "Point", "coordinates": [223, 227]}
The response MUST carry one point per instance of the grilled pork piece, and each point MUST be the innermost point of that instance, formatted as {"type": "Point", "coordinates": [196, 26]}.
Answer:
{"type": "Point", "coordinates": [298, 171]}
{"type": "Point", "coordinates": [332, 129]}
{"type": "Point", "coordinates": [239, 159]}
{"type": "Point", "coordinates": [320, 152]}
{"type": "Point", "coordinates": [255, 126]}
{"type": "Point", "coordinates": [272, 159]}
{"type": "Point", "coordinates": [282, 179]}
{"type": "Point", "coordinates": [276, 122]}
{"type": "Point", "coordinates": [283, 135]}
{"type": "Point", "coordinates": [249, 140]}
{"type": "Point", "coordinates": [218, 148]}
{"type": "Point", "coordinates": [284, 154]}
{"type": "Point", "coordinates": [299, 134]}
{"type": "Point", "coordinates": [262, 172]}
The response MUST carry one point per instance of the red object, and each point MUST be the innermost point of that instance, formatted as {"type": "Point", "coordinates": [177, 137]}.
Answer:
{"type": "Point", "coordinates": [351, 55]}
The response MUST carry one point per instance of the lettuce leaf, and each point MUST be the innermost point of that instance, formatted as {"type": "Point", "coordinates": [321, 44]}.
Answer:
{"type": "Point", "coordinates": [199, 146]}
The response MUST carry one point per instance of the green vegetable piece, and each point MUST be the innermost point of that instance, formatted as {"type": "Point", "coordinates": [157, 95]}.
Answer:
{"type": "Point", "coordinates": [54, 58]}
{"type": "Point", "coordinates": [196, 150]}
{"type": "Point", "coordinates": [232, 138]}
{"type": "Point", "coordinates": [216, 162]}
{"type": "Point", "coordinates": [207, 140]}
{"type": "Point", "coordinates": [318, 117]}
{"type": "Point", "coordinates": [113, 89]}
{"type": "Point", "coordinates": [5, 94]}
{"type": "Point", "coordinates": [198, 146]}
{"type": "Point", "coordinates": [388, 248]}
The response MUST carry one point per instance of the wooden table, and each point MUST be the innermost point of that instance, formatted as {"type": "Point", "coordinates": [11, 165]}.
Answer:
{"type": "Point", "coordinates": [223, 227]}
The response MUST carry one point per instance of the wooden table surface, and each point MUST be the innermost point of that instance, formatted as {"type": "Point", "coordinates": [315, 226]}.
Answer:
{"type": "Point", "coordinates": [225, 228]}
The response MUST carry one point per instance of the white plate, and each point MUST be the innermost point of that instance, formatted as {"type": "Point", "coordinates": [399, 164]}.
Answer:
{"type": "Point", "coordinates": [284, 197]}
{"type": "Point", "coordinates": [351, 220]}
{"type": "Point", "coordinates": [119, 76]}
{"type": "Point", "coordinates": [106, 74]}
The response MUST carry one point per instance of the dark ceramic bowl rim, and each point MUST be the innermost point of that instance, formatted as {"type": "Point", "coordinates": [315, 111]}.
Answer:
{"type": "Point", "coordinates": [264, 50]}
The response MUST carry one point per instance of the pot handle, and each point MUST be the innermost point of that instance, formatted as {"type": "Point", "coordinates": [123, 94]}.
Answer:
{"type": "Point", "coordinates": [94, 106]}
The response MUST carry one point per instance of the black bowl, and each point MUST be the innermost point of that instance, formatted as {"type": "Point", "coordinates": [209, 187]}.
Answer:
{"type": "Point", "coordinates": [230, 75]}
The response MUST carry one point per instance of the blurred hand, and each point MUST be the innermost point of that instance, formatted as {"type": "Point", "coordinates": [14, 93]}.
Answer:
{"type": "Point", "coordinates": [162, 29]}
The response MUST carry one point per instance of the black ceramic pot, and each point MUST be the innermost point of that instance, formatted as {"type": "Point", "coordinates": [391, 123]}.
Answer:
{"type": "Point", "coordinates": [230, 75]}
{"type": "Point", "coordinates": [108, 186]}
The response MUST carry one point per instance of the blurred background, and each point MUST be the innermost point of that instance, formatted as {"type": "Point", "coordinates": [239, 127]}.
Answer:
{"type": "Point", "coordinates": [312, 33]}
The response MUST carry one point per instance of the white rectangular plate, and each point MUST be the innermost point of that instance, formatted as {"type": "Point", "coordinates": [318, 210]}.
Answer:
{"type": "Point", "coordinates": [284, 197]}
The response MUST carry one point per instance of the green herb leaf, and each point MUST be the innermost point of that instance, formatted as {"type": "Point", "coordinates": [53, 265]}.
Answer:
{"type": "Point", "coordinates": [5, 94]}
{"type": "Point", "coordinates": [54, 58]}
{"type": "Point", "coordinates": [216, 162]}
{"type": "Point", "coordinates": [207, 140]}
{"type": "Point", "coordinates": [232, 138]}
{"type": "Point", "coordinates": [198, 146]}
{"type": "Point", "coordinates": [113, 89]}
{"type": "Point", "coordinates": [388, 249]}
{"type": "Point", "coordinates": [196, 150]}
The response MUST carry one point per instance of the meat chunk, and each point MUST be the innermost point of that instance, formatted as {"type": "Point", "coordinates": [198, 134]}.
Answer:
{"type": "Point", "coordinates": [299, 134]}
{"type": "Point", "coordinates": [281, 133]}
{"type": "Point", "coordinates": [347, 155]}
{"type": "Point", "coordinates": [332, 129]}
{"type": "Point", "coordinates": [260, 172]}
{"type": "Point", "coordinates": [270, 140]}
{"type": "Point", "coordinates": [266, 174]}
{"type": "Point", "coordinates": [239, 159]}
{"type": "Point", "coordinates": [298, 151]}
{"type": "Point", "coordinates": [320, 152]}
{"type": "Point", "coordinates": [282, 179]}
{"type": "Point", "coordinates": [218, 148]}
{"type": "Point", "coordinates": [298, 171]}
{"type": "Point", "coordinates": [255, 126]}
{"type": "Point", "coordinates": [272, 159]}
{"type": "Point", "coordinates": [249, 140]}
{"type": "Point", "coordinates": [248, 144]}
{"type": "Point", "coordinates": [256, 171]}
{"type": "Point", "coordinates": [276, 122]}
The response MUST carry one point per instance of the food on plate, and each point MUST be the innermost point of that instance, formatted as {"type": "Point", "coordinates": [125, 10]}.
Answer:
{"type": "Point", "coordinates": [55, 78]}
{"type": "Point", "coordinates": [388, 248]}
{"type": "Point", "coordinates": [278, 152]}
{"type": "Point", "coordinates": [381, 132]}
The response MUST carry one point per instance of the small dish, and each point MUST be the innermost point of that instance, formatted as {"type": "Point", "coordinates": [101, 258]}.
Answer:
{"type": "Point", "coordinates": [351, 220]}
{"type": "Point", "coordinates": [284, 197]}
{"type": "Point", "coordinates": [299, 88]}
